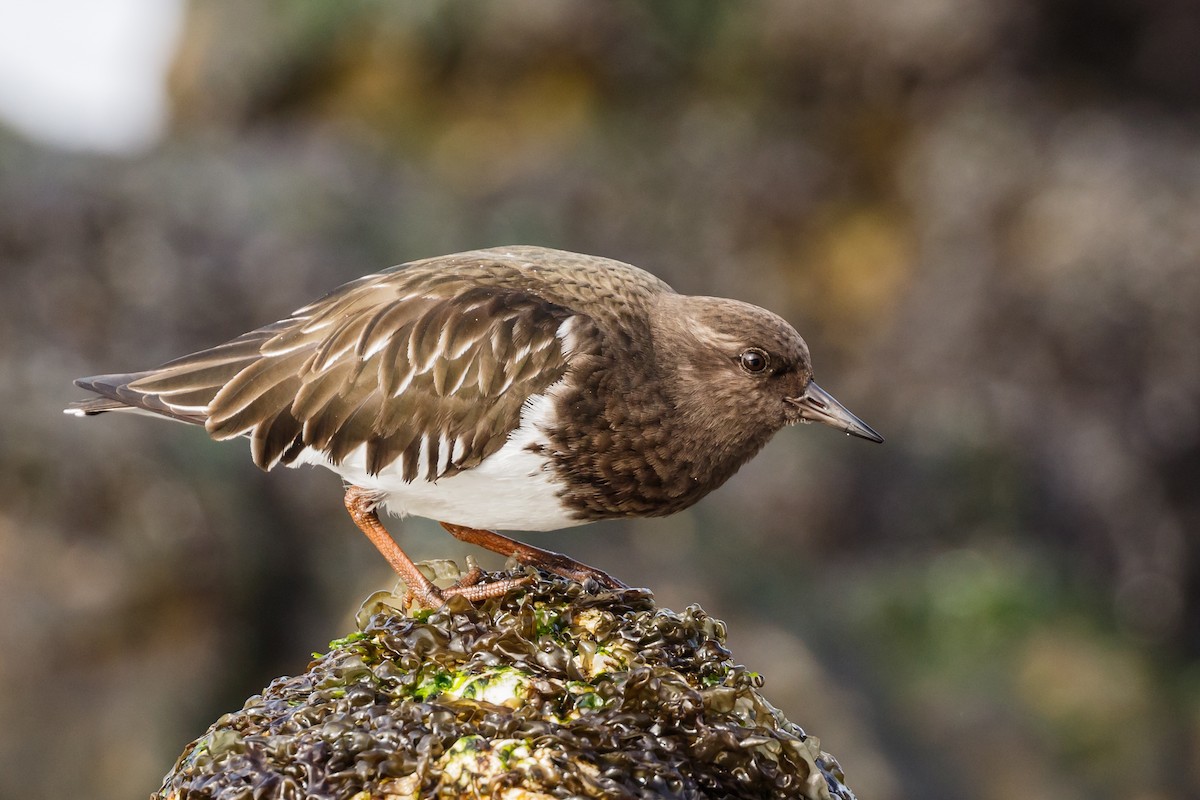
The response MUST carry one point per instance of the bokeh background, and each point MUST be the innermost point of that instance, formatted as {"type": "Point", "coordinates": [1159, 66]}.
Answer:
{"type": "Point", "coordinates": [984, 215]}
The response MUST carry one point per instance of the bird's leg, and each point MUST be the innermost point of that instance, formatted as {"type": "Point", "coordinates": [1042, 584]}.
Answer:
{"type": "Point", "coordinates": [361, 505]}
{"type": "Point", "coordinates": [533, 556]}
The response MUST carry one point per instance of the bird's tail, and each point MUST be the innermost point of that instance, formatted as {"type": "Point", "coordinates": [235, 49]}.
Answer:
{"type": "Point", "coordinates": [116, 394]}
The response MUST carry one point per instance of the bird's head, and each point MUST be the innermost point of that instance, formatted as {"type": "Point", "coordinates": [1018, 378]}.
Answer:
{"type": "Point", "coordinates": [754, 359]}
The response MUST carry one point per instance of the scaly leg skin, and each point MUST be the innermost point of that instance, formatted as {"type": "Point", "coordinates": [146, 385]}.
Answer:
{"type": "Point", "coordinates": [361, 505]}
{"type": "Point", "coordinates": [533, 556]}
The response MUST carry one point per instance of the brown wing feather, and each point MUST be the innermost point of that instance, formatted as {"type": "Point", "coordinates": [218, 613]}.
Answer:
{"type": "Point", "coordinates": [417, 399]}
{"type": "Point", "coordinates": [405, 374]}
{"type": "Point", "coordinates": [427, 364]}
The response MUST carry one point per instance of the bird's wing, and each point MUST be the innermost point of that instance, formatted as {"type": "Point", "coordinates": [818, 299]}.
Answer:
{"type": "Point", "coordinates": [420, 369]}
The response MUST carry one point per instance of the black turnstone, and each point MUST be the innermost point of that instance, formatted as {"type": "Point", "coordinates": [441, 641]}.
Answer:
{"type": "Point", "coordinates": [516, 388]}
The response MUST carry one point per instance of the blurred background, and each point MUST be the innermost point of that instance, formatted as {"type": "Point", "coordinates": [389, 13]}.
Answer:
{"type": "Point", "coordinates": [984, 216]}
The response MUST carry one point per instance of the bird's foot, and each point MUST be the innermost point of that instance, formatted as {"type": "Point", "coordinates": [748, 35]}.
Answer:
{"type": "Point", "coordinates": [568, 567]}
{"type": "Point", "coordinates": [482, 591]}
{"type": "Point", "coordinates": [471, 587]}
{"type": "Point", "coordinates": [534, 556]}
{"type": "Point", "coordinates": [423, 592]}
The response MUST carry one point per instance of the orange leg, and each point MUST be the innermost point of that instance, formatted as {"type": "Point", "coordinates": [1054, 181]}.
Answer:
{"type": "Point", "coordinates": [533, 556]}
{"type": "Point", "coordinates": [360, 503]}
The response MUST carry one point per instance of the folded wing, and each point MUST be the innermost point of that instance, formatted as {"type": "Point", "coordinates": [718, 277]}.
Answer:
{"type": "Point", "coordinates": [430, 378]}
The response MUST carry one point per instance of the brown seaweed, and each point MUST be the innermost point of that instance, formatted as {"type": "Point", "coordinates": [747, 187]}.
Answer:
{"type": "Point", "coordinates": [551, 691]}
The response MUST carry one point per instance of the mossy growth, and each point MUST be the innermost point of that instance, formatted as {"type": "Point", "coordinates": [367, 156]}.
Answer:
{"type": "Point", "coordinates": [554, 690]}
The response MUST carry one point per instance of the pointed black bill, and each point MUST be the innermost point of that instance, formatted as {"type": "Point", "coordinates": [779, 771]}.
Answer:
{"type": "Point", "coordinates": [818, 405]}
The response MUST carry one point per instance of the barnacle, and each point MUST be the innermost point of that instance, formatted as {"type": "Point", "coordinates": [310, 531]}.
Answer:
{"type": "Point", "coordinates": [551, 691]}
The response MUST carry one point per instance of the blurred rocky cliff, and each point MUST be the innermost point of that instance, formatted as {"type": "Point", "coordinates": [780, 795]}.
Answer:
{"type": "Point", "coordinates": [983, 216]}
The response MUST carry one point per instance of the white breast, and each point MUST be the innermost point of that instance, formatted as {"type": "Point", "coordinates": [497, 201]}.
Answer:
{"type": "Point", "coordinates": [511, 490]}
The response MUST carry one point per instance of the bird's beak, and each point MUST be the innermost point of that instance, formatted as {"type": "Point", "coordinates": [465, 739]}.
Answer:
{"type": "Point", "coordinates": [818, 405]}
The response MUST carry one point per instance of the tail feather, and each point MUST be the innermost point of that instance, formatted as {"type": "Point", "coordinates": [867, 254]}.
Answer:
{"type": "Point", "coordinates": [115, 395]}
{"type": "Point", "coordinates": [182, 389]}
{"type": "Point", "coordinates": [97, 405]}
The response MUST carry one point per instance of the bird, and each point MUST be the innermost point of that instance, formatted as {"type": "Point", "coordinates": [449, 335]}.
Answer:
{"type": "Point", "coordinates": [515, 388]}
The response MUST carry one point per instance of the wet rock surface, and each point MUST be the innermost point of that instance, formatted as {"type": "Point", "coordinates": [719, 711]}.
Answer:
{"type": "Point", "coordinates": [551, 691]}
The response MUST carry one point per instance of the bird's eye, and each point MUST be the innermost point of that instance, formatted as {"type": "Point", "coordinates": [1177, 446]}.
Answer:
{"type": "Point", "coordinates": [753, 360]}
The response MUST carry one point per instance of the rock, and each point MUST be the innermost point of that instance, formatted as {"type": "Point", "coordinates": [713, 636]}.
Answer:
{"type": "Point", "coordinates": [554, 690]}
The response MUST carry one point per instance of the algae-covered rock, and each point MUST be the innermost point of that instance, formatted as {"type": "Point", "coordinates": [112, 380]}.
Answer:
{"type": "Point", "coordinates": [550, 691]}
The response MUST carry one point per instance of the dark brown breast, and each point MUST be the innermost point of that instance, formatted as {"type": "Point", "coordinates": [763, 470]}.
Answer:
{"type": "Point", "coordinates": [625, 445]}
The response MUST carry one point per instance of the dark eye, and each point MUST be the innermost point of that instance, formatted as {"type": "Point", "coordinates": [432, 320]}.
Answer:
{"type": "Point", "coordinates": [753, 360]}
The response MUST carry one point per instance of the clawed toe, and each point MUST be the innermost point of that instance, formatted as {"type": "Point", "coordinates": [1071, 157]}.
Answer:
{"type": "Point", "coordinates": [472, 576]}
{"type": "Point", "coordinates": [472, 585]}
{"type": "Point", "coordinates": [475, 590]}
{"type": "Point", "coordinates": [583, 573]}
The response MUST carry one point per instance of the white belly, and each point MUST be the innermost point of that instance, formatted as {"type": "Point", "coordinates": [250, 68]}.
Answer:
{"type": "Point", "coordinates": [511, 490]}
